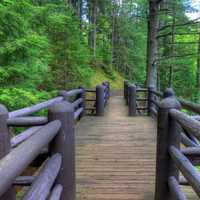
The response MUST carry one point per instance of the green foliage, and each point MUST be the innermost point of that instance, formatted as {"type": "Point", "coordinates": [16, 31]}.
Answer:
{"type": "Point", "coordinates": [19, 98]}
{"type": "Point", "coordinates": [44, 48]}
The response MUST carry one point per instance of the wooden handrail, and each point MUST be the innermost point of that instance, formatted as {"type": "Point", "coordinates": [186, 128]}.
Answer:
{"type": "Point", "coordinates": [35, 108]}
{"type": "Point", "coordinates": [188, 170]}
{"type": "Point", "coordinates": [194, 107]}
{"type": "Point", "coordinates": [13, 165]}
{"type": "Point", "coordinates": [173, 128]}
{"type": "Point", "coordinates": [45, 180]}
{"type": "Point", "coordinates": [43, 131]}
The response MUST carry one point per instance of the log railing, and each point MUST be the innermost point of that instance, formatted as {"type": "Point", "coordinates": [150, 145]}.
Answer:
{"type": "Point", "coordinates": [137, 99]}
{"type": "Point", "coordinates": [176, 129]}
{"type": "Point", "coordinates": [48, 143]}
{"type": "Point", "coordinates": [178, 147]}
{"type": "Point", "coordinates": [102, 95]}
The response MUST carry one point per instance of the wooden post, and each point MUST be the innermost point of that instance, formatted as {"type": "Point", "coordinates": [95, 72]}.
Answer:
{"type": "Point", "coordinates": [167, 135]}
{"type": "Point", "coordinates": [125, 89]}
{"type": "Point", "coordinates": [150, 97]}
{"type": "Point", "coordinates": [100, 100]}
{"type": "Point", "coordinates": [82, 105]}
{"type": "Point", "coordinates": [108, 85]}
{"type": "Point", "coordinates": [132, 100]}
{"type": "Point", "coordinates": [64, 143]}
{"type": "Point", "coordinates": [5, 147]}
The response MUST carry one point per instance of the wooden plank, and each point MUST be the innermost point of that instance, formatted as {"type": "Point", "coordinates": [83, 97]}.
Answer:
{"type": "Point", "coordinates": [115, 155]}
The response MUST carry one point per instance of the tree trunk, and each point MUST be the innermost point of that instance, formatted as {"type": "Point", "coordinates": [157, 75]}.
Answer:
{"type": "Point", "coordinates": [151, 79]}
{"type": "Point", "coordinates": [93, 19]}
{"type": "Point", "coordinates": [172, 47]}
{"type": "Point", "coordinates": [114, 30]}
{"type": "Point", "coordinates": [198, 65]}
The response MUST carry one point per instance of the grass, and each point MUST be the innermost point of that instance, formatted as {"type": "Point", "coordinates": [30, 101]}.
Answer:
{"type": "Point", "coordinates": [100, 76]}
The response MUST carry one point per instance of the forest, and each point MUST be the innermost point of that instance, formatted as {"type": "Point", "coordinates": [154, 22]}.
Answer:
{"type": "Point", "coordinates": [48, 45]}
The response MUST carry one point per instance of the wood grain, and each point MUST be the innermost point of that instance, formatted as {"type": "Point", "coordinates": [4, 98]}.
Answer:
{"type": "Point", "coordinates": [115, 156]}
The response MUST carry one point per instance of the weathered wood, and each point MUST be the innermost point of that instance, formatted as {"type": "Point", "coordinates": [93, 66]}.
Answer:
{"type": "Point", "coordinates": [27, 121]}
{"type": "Point", "coordinates": [154, 111]}
{"type": "Point", "coordinates": [100, 100]}
{"type": "Point", "coordinates": [159, 94]}
{"type": "Point", "coordinates": [64, 143]}
{"type": "Point", "coordinates": [187, 169]}
{"type": "Point", "coordinates": [132, 107]}
{"type": "Point", "coordinates": [90, 99]}
{"type": "Point", "coordinates": [125, 88]}
{"type": "Point", "coordinates": [77, 103]}
{"type": "Point", "coordinates": [194, 107]}
{"type": "Point", "coordinates": [42, 184]}
{"type": "Point", "coordinates": [90, 90]}
{"type": "Point", "coordinates": [82, 105]}
{"type": "Point", "coordinates": [115, 155]}
{"type": "Point", "coordinates": [193, 154]}
{"type": "Point", "coordinates": [156, 103]}
{"type": "Point", "coordinates": [142, 90]}
{"type": "Point", "coordinates": [24, 180]}
{"type": "Point", "coordinates": [18, 139]}
{"type": "Point", "coordinates": [56, 193]}
{"type": "Point", "coordinates": [167, 134]}
{"type": "Point", "coordinates": [188, 123]}
{"type": "Point", "coordinates": [183, 181]}
{"type": "Point", "coordinates": [150, 99]}
{"type": "Point", "coordinates": [191, 151]}
{"type": "Point", "coordinates": [142, 99]}
{"type": "Point", "coordinates": [14, 163]}
{"type": "Point", "coordinates": [78, 113]}
{"type": "Point", "coordinates": [35, 108]}
{"type": "Point", "coordinates": [74, 92]}
{"type": "Point", "coordinates": [187, 141]}
{"type": "Point", "coordinates": [175, 189]}
{"type": "Point", "coordinates": [5, 147]}
{"type": "Point", "coordinates": [142, 108]}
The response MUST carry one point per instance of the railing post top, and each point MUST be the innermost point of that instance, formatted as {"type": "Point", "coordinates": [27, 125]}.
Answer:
{"type": "Point", "coordinates": [151, 87]}
{"type": "Point", "coordinates": [170, 101]}
{"type": "Point", "coordinates": [62, 107]}
{"type": "Point", "coordinates": [63, 93]}
{"type": "Point", "coordinates": [3, 110]}
{"type": "Point", "coordinates": [169, 92]}
{"type": "Point", "coordinates": [132, 86]}
{"type": "Point", "coordinates": [100, 87]}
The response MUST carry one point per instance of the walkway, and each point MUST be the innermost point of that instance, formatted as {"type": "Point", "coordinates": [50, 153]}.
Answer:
{"type": "Point", "coordinates": [115, 155]}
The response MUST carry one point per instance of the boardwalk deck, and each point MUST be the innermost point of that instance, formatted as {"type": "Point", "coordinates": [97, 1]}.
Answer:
{"type": "Point", "coordinates": [115, 156]}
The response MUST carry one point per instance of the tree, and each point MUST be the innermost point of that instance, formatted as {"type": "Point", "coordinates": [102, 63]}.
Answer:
{"type": "Point", "coordinates": [151, 79]}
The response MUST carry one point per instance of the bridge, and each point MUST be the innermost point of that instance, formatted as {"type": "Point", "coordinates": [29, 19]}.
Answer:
{"type": "Point", "coordinates": [97, 144]}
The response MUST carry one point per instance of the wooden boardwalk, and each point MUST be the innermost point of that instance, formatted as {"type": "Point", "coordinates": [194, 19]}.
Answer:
{"type": "Point", "coordinates": [115, 155]}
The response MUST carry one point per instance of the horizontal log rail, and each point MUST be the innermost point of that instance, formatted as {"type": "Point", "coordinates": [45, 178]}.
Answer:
{"type": "Point", "coordinates": [51, 139]}
{"type": "Point", "coordinates": [35, 108]}
{"type": "Point", "coordinates": [27, 121]}
{"type": "Point", "coordinates": [194, 107]}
